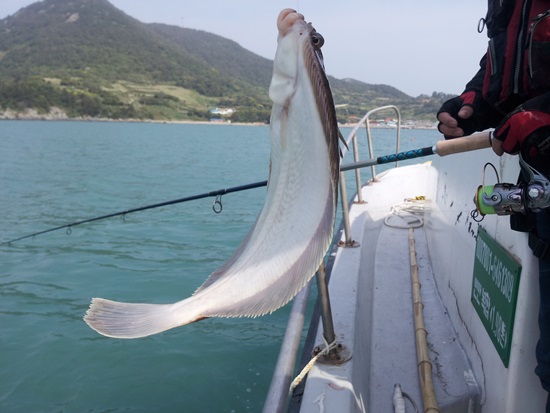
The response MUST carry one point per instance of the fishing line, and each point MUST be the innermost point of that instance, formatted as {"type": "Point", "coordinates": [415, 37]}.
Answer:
{"type": "Point", "coordinates": [217, 208]}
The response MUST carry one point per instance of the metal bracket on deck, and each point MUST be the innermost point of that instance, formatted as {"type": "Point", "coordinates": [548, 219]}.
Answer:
{"type": "Point", "coordinates": [335, 357]}
{"type": "Point", "coordinates": [349, 244]}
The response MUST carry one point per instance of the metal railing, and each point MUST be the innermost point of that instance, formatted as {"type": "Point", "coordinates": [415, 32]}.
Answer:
{"type": "Point", "coordinates": [352, 138]}
{"type": "Point", "coordinates": [365, 122]}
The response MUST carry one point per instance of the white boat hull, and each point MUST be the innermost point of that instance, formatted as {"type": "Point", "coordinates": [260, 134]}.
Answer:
{"type": "Point", "coordinates": [370, 293]}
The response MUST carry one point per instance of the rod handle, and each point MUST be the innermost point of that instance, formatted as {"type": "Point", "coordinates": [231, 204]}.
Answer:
{"type": "Point", "coordinates": [464, 144]}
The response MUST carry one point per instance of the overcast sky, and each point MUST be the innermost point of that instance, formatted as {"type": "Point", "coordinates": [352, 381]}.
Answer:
{"type": "Point", "coordinates": [416, 46]}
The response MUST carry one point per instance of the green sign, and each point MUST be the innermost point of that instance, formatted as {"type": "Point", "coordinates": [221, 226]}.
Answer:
{"type": "Point", "coordinates": [495, 291]}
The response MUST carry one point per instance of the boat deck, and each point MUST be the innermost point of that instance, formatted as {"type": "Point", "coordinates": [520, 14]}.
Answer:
{"type": "Point", "coordinates": [382, 341]}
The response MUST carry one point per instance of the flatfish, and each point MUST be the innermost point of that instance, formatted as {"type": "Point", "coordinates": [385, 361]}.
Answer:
{"type": "Point", "coordinates": [294, 229]}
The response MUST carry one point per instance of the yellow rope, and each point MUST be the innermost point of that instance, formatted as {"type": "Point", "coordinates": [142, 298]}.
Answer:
{"type": "Point", "coordinates": [309, 365]}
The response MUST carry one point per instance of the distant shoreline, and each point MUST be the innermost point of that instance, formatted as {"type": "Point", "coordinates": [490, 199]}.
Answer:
{"type": "Point", "coordinates": [107, 120]}
{"type": "Point", "coordinates": [58, 115]}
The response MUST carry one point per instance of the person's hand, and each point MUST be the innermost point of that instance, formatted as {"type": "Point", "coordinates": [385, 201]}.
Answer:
{"type": "Point", "coordinates": [455, 115]}
{"type": "Point", "coordinates": [448, 125]}
{"type": "Point", "coordinates": [526, 130]}
{"type": "Point", "coordinates": [511, 134]}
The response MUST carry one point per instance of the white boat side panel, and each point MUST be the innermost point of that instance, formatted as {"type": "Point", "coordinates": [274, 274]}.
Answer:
{"type": "Point", "coordinates": [452, 242]}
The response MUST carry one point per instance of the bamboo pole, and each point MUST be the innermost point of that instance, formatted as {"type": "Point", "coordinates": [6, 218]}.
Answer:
{"type": "Point", "coordinates": [422, 352]}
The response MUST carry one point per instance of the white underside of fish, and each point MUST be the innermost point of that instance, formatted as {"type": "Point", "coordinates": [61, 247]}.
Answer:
{"type": "Point", "coordinates": [293, 230]}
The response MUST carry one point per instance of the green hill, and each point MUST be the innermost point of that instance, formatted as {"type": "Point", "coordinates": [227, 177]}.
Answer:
{"type": "Point", "coordinates": [90, 59]}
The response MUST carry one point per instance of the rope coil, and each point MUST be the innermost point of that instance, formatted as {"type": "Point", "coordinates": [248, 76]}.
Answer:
{"type": "Point", "coordinates": [407, 212]}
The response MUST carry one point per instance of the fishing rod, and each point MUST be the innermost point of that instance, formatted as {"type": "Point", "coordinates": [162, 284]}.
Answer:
{"type": "Point", "coordinates": [442, 148]}
{"type": "Point", "coordinates": [217, 207]}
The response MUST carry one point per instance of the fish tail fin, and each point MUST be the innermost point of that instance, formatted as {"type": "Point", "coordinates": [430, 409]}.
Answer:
{"type": "Point", "coordinates": [133, 320]}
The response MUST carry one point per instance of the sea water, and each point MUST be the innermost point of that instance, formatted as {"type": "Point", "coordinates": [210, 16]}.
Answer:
{"type": "Point", "coordinates": [55, 173]}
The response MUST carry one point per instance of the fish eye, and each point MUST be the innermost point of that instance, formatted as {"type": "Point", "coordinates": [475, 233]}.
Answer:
{"type": "Point", "coordinates": [317, 40]}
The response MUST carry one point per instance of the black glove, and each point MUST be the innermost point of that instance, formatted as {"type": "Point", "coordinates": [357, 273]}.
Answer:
{"type": "Point", "coordinates": [475, 122]}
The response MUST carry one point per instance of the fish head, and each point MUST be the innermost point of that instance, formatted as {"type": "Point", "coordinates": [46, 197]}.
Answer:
{"type": "Point", "coordinates": [299, 59]}
{"type": "Point", "coordinates": [298, 42]}
{"type": "Point", "coordinates": [291, 20]}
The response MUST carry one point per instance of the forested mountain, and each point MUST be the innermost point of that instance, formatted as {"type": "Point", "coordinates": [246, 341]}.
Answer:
{"type": "Point", "coordinates": [90, 59]}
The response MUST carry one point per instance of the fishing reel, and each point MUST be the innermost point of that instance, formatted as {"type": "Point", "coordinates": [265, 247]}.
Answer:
{"type": "Point", "coordinates": [507, 199]}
